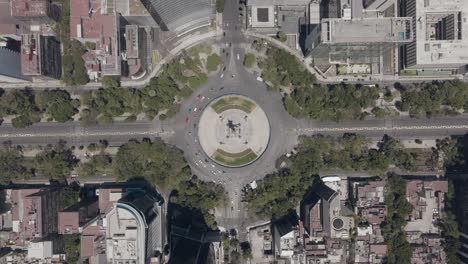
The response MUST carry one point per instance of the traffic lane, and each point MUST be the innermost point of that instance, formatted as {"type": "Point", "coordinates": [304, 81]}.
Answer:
{"type": "Point", "coordinates": [113, 140]}
{"type": "Point", "coordinates": [75, 127]}
{"type": "Point", "coordinates": [399, 134]}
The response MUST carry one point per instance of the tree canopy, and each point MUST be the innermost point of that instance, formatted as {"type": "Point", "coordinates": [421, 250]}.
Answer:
{"type": "Point", "coordinates": [164, 166]}
{"type": "Point", "coordinates": [282, 68]}
{"type": "Point", "coordinates": [280, 192]}
{"type": "Point", "coordinates": [58, 104]}
{"type": "Point", "coordinates": [398, 209]}
{"type": "Point", "coordinates": [55, 162]}
{"type": "Point", "coordinates": [12, 165]}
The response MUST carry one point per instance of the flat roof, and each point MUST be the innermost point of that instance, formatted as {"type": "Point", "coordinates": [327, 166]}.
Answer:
{"type": "Point", "coordinates": [366, 30]}
{"type": "Point", "coordinates": [441, 51]}
{"type": "Point", "coordinates": [131, 39]}
{"type": "Point", "coordinates": [95, 21]}
{"type": "Point", "coordinates": [29, 8]}
{"type": "Point", "coordinates": [125, 234]}
{"type": "Point", "coordinates": [277, 2]}
{"type": "Point", "coordinates": [30, 54]}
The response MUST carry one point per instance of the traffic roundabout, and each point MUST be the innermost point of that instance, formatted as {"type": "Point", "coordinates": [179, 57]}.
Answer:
{"type": "Point", "coordinates": [233, 131]}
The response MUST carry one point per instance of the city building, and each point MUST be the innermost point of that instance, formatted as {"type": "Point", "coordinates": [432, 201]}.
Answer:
{"type": "Point", "coordinates": [370, 207]}
{"type": "Point", "coordinates": [461, 213]}
{"type": "Point", "coordinates": [291, 17]}
{"type": "Point", "coordinates": [440, 40]}
{"type": "Point", "coordinates": [33, 214]}
{"type": "Point", "coordinates": [72, 220]}
{"type": "Point", "coordinates": [286, 235]}
{"type": "Point", "coordinates": [125, 235]}
{"type": "Point", "coordinates": [357, 41]}
{"type": "Point", "coordinates": [323, 214]}
{"type": "Point", "coordinates": [34, 12]}
{"type": "Point", "coordinates": [134, 12]}
{"type": "Point", "coordinates": [40, 56]}
{"type": "Point", "coordinates": [134, 55]}
{"type": "Point", "coordinates": [10, 68]}
{"type": "Point", "coordinates": [96, 24]}
{"type": "Point", "coordinates": [128, 228]}
{"type": "Point", "coordinates": [10, 27]}
{"type": "Point", "coordinates": [427, 198]}
{"type": "Point", "coordinates": [180, 15]}
{"type": "Point", "coordinates": [356, 37]}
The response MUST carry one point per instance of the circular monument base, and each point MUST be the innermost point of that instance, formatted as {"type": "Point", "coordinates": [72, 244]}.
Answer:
{"type": "Point", "coordinates": [233, 131]}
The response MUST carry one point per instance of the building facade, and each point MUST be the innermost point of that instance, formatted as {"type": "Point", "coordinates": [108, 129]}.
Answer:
{"type": "Point", "coordinates": [180, 15]}
{"type": "Point", "coordinates": [440, 34]}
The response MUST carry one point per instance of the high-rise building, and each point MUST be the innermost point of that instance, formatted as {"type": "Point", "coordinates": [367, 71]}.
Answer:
{"type": "Point", "coordinates": [440, 34]}
{"type": "Point", "coordinates": [180, 15]}
{"type": "Point", "coordinates": [10, 68]}
{"type": "Point", "coordinates": [360, 40]}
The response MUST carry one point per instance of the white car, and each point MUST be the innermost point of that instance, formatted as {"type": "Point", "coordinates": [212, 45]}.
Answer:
{"type": "Point", "coordinates": [259, 79]}
{"type": "Point", "coordinates": [222, 75]}
{"type": "Point", "coordinates": [238, 57]}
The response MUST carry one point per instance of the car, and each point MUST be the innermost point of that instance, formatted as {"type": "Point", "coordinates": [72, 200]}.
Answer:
{"type": "Point", "coordinates": [212, 165]}
{"type": "Point", "coordinates": [238, 57]}
{"type": "Point", "coordinates": [259, 79]}
{"type": "Point", "coordinates": [195, 109]}
{"type": "Point", "coordinates": [222, 75]}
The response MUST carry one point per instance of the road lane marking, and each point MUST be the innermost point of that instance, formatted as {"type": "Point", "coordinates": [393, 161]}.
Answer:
{"type": "Point", "coordinates": [382, 128]}
{"type": "Point", "coordinates": [86, 134]}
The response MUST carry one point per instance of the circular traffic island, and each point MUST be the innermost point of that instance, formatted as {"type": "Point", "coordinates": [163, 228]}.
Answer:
{"type": "Point", "coordinates": [233, 131]}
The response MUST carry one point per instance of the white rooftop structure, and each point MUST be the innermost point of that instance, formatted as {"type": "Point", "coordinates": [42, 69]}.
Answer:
{"type": "Point", "coordinates": [125, 235]}
{"type": "Point", "coordinates": [366, 30]}
{"type": "Point", "coordinates": [40, 250]}
{"type": "Point", "coordinates": [441, 33]}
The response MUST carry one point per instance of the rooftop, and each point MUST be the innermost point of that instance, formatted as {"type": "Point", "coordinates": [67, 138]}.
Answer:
{"type": "Point", "coordinates": [97, 21]}
{"type": "Point", "coordinates": [26, 215]}
{"type": "Point", "coordinates": [68, 222]}
{"type": "Point", "coordinates": [366, 30]}
{"type": "Point", "coordinates": [449, 47]}
{"type": "Point", "coordinates": [107, 199]}
{"type": "Point", "coordinates": [131, 38]}
{"type": "Point", "coordinates": [30, 54]}
{"type": "Point", "coordinates": [29, 8]}
{"type": "Point", "coordinates": [125, 235]}
{"type": "Point", "coordinates": [277, 2]}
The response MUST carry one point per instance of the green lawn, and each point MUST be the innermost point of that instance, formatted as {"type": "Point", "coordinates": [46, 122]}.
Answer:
{"type": "Point", "coordinates": [234, 159]}
{"type": "Point", "coordinates": [233, 102]}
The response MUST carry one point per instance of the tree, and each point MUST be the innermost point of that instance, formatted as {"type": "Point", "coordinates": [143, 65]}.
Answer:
{"type": "Point", "coordinates": [158, 163]}
{"type": "Point", "coordinates": [98, 164]}
{"type": "Point", "coordinates": [246, 250]}
{"type": "Point", "coordinates": [12, 165]}
{"type": "Point", "coordinates": [72, 248]}
{"type": "Point", "coordinates": [282, 36]}
{"type": "Point", "coordinates": [220, 6]}
{"type": "Point", "coordinates": [249, 60]}
{"type": "Point", "coordinates": [55, 162]}
{"type": "Point", "coordinates": [109, 82]}
{"type": "Point", "coordinates": [203, 196]}
{"type": "Point", "coordinates": [58, 104]}
{"type": "Point", "coordinates": [398, 209]}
